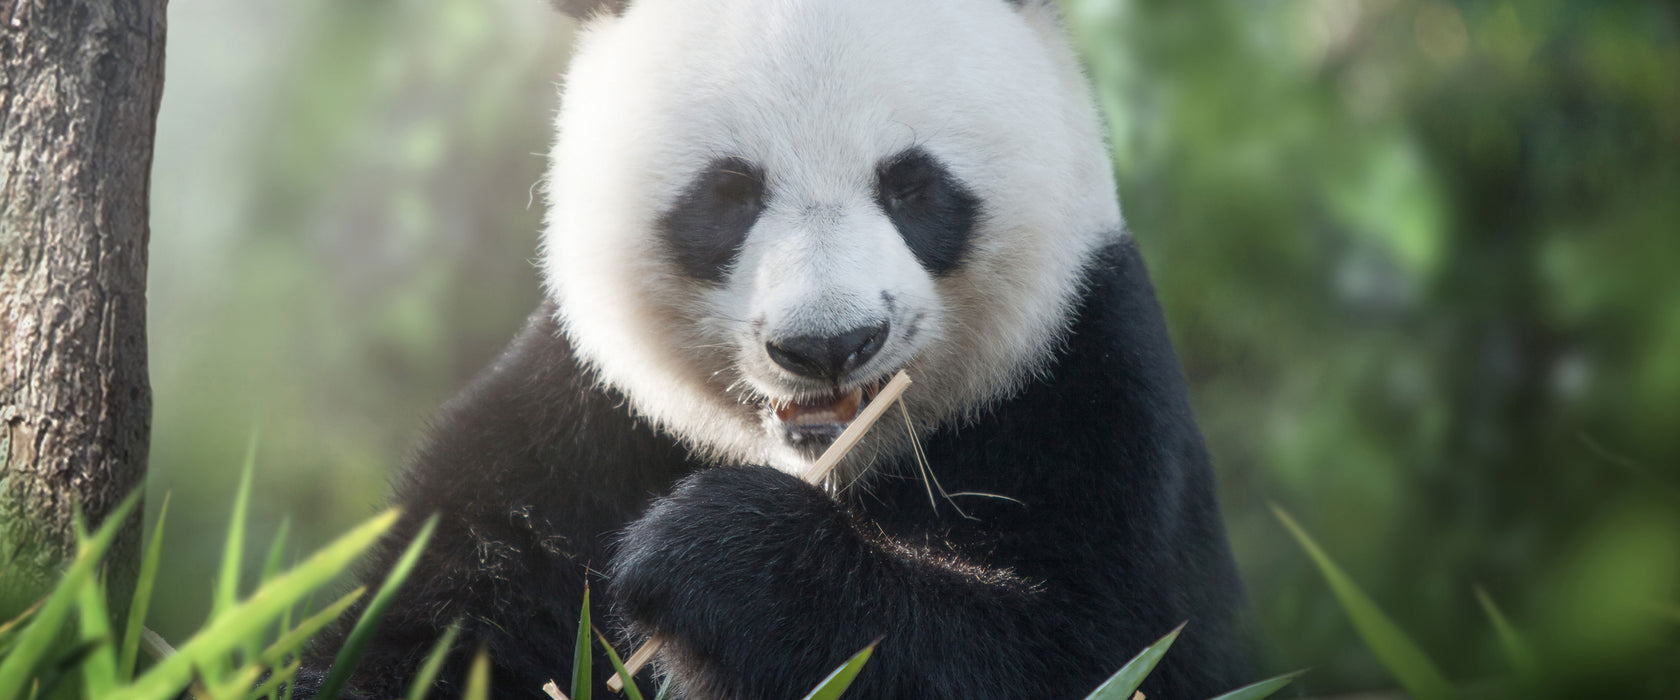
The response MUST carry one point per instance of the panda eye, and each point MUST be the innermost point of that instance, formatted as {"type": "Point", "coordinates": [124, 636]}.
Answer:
{"type": "Point", "coordinates": [906, 180]}
{"type": "Point", "coordinates": [704, 229]}
{"type": "Point", "coordinates": [933, 212]}
{"type": "Point", "coordinates": [736, 188]}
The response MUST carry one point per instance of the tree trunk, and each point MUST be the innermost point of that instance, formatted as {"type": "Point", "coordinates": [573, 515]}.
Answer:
{"type": "Point", "coordinates": [80, 82]}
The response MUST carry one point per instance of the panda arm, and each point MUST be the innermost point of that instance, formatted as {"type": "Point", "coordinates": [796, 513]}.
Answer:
{"type": "Point", "coordinates": [528, 471]}
{"type": "Point", "coordinates": [762, 584]}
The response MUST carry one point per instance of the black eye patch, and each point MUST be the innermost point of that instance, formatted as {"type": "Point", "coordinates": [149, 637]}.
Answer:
{"type": "Point", "coordinates": [704, 229]}
{"type": "Point", "coordinates": [932, 210]}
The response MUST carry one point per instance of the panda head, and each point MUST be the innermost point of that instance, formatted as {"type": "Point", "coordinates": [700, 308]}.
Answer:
{"type": "Point", "coordinates": [760, 210]}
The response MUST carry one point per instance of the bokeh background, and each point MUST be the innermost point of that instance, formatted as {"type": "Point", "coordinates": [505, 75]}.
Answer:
{"type": "Point", "coordinates": [1421, 260]}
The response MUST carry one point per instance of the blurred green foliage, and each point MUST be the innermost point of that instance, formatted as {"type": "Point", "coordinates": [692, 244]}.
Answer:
{"type": "Point", "coordinates": [1421, 260]}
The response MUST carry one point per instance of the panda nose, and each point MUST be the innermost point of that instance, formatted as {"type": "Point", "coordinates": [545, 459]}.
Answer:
{"type": "Point", "coordinates": [828, 356]}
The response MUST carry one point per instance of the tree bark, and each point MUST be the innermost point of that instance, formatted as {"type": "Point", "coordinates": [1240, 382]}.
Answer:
{"type": "Point", "coordinates": [80, 82]}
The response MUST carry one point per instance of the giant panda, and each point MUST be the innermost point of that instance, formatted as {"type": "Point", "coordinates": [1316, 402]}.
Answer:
{"type": "Point", "coordinates": [758, 210]}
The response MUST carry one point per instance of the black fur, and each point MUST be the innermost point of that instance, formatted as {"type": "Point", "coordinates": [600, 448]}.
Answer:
{"type": "Point", "coordinates": [934, 213]}
{"type": "Point", "coordinates": [532, 469]}
{"type": "Point", "coordinates": [704, 229]}
{"type": "Point", "coordinates": [763, 584]}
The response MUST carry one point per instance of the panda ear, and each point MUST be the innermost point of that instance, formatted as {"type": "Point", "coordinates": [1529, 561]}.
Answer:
{"type": "Point", "coordinates": [585, 9]}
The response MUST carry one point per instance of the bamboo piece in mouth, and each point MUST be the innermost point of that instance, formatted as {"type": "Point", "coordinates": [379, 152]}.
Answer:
{"type": "Point", "coordinates": [816, 474]}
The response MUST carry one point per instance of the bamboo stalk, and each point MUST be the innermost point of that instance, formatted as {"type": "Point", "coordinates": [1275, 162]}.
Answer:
{"type": "Point", "coordinates": [634, 664]}
{"type": "Point", "coordinates": [853, 433]}
{"type": "Point", "coordinates": [816, 474]}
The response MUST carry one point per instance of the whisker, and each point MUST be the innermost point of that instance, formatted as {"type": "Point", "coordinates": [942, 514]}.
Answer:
{"type": "Point", "coordinates": [921, 462]}
{"type": "Point", "coordinates": [927, 468]}
{"type": "Point", "coordinates": [980, 494]}
{"type": "Point", "coordinates": [930, 480]}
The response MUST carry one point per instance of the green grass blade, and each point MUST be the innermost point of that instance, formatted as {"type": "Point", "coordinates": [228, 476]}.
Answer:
{"type": "Point", "coordinates": [271, 568]}
{"type": "Point", "coordinates": [230, 631]}
{"type": "Point", "coordinates": [293, 640]}
{"type": "Point", "coordinates": [1262, 689]}
{"type": "Point", "coordinates": [664, 692]}
{"type": "Point", "coordinates": [99, 669]}
{"type": "Point", "coordinates": [351, 653]}
{"type": "Point", "coordinates": [276, 550]}
{"type": "Point", "coordinates": [36, 640]}
{"type": "Point", "coordinates": [271, 685]}
{"type": "Point", "coordinates": [478, 679]}
{"type": "Point", "coordinates": [1397, 653]}
{"type": "Point", "coordinates": [290, 688]}
{"type": "Point", "coordinates": [422, 684]}
{"type": "Point", "coordinates": [142, 600]}
{"type": "Point", "coordinates": [238, 684]}
{"type": "Point", "coordinates": [226, 592]}
{"type": "Point", "coordinates": [65, 666]}
{"type": "Point", "coordinates": [233, 551]}
{"type": "Point", "coordinates": [1517, 651]}
{"type": "Point", "coordinates": [1125, 682]}
{"type": "Point", "coordinates": [837, 682]}
{"type": "Point", "coordinates": [581, 658]}
{"type": "Point", "coordinates": [630, 688]}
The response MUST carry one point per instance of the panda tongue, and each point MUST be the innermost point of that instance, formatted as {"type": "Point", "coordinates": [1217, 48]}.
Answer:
{"type": "Point", "coordinates": [836, 408]}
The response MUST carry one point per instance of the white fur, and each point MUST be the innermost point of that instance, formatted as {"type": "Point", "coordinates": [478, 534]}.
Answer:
{"type": "Point", "coordinates": [817, 93]}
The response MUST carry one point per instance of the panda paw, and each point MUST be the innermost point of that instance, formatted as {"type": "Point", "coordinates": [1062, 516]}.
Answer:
{"type": "Point", "coordinates": [742, 538]}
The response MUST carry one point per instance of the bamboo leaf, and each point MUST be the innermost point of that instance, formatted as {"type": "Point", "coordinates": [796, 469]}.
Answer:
{"type": "Point", "coordinates": [630, 688]}
{"type": "Point", "coordinates": [142, 601]}
{"type": "Point", "coordinates": [43, 629]}
{"type": "Point", "coordinates": [1403, 659]}
{"type": "Point", "coordinates": [351, 653]}
{"type": "Point", "coordinates": [422, 684]}
{"type": "Point", "coordinates": [1262, 689]}
{"type": "Point", "coordinates": [837, 682]}
{"type": "Point", "coordinates": [232, 630]}
{"type": "Point", "coordinates": [581, 658]}
{"type": "Point", "coordinates": [1125, 682]}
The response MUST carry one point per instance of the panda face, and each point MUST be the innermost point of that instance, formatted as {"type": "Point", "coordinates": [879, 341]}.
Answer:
{"type": "Point", "coordinates": [762, 209]}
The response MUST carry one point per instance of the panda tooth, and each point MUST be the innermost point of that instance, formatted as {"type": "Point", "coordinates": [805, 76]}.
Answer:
{"type": "Point", "coordinates": [838, 408]}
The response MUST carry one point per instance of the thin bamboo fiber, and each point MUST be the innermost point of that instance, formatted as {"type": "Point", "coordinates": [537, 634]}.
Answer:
{"type": "Point", "coordinates": [816, 474]}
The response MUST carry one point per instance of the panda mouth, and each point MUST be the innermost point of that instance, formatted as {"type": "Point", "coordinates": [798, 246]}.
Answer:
{"type": "Point", "coordinates": [816, 421]}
